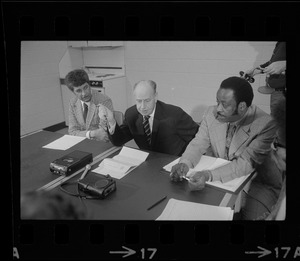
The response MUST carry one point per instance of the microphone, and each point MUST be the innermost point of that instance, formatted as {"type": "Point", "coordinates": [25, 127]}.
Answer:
{"type": "Point", "coordinates": [87, 168]}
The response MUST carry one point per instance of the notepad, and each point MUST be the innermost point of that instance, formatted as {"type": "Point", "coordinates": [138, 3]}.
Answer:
{"type": "Point", "coordinates": [121, 164]}
{"type": "Point", "coordinates": [185, 210]}
{"type": "Point", "coordinates": [210, 163]}
{"type": "Point", "coordinates": [64, 143]}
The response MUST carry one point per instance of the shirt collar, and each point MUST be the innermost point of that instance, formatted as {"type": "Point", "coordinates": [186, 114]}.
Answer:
{"type": "Point", "coordinates": [151, 115]}
{"type": "Point", "coordinates": [153, 112]}
{"type": "Point", "coordinates": [82, 103]}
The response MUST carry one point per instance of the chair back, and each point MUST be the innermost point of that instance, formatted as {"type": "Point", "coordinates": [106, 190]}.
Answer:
{"type": "Point", "coordinates": [119, 117]}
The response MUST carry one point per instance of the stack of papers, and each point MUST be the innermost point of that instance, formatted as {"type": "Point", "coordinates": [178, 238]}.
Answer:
{"type": "Point", "coordinates": [210, 163]}
{"type": "Point", "coordinates": [64, 143]}
{"type": "Point", "coordinates": [123, 163]}
{"type": "Point", "coordinates": [184, 210]}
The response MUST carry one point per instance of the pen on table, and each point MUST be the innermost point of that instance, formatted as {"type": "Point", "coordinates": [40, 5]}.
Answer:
{"type": "Point", "coordinates": [186, 178]}
{"type": "Point", "coordinates": [157, 203]}
{"type": "Point", "coordinates": [165, 171]}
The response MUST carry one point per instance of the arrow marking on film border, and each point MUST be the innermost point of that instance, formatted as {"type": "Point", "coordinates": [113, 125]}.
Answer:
{"type": "Point", "coordinates": [264, 252]}
{"type": "Point", "coordinates": [129, 252]}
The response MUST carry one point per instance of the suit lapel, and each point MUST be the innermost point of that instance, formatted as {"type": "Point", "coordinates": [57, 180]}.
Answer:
{"type": "Point", "coordinates": [240, 136]}
{"type": "Point", "coordinates": [156, 121]}
{"type": "Point", "coordinates": [242, 132]}
{"type": "Point", "coordinates": [218, 131]}
{"type": "Point", "coordinates": [139, 124]}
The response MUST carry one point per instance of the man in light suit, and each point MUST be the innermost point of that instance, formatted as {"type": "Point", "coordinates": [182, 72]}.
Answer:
{"type": "Point", "coordinates": [272, 199]}
{"type": "Point", "coordinates": [84, 107]}
{"type": "Point", "coordinates": [235, 130]}
{"type": "Point", "coordinates": [171, 128]}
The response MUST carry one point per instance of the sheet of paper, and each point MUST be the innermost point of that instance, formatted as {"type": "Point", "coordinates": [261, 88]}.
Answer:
{"type": "Point", "coordinates": [111, 167]}
{"type": "Point", "coordinates": [121, 164]}
{"type": "Point", "coordinates": [137, 155]}
{"type": "Point", "coordinates": [64, 143]}
{"type": "Point", "coordinates": [207, 162]}
{"type": "Point", "coordinates": [184, 210]}
{"type": "Point", "coordinates": [231, 185]}
{"type": "Point", "coordinates": [127, 160]}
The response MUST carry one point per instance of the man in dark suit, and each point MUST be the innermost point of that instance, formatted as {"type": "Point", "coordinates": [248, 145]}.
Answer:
{"type": "Point", "coordinates": [168, 130]}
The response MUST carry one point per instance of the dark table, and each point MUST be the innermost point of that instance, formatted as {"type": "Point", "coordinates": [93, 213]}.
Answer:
{"type": "Point", "coordinates": [135, 192]}
{"type": "Point", "coordinates": [35, 160]}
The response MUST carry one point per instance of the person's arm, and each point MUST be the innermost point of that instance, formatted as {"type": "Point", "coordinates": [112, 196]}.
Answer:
{"type": "Point", "coordinates": [198, 145]}
{"type": "Point", "coordinates": [108, 103]}
{"type": "Point", "coordinates": [121, 135]}
{"type": "Point", "coordinates": [117, 135]}
{"type": "Point", "coordinates": [185, 126]}
{"type": "Point", "coordinates": [254, 154]}
{"type": "Point", "coordinates": [275, 68]}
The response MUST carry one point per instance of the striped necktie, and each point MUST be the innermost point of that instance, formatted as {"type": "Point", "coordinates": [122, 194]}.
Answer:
{"type": "Point", "coordinates": [230, 132]}
{"type": "Point", "coordinates": [147, 130]}
{"type": "Point", "coordinates": [85, 111]}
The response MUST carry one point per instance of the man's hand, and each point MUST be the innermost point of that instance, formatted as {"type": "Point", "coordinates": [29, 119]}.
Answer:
{"type": "Point", "coordinates": [99, 134]}
{"type": "Point", "coordinates": [178, 171]}
{"type": "Point", "coordinates": [252, 72]}
{"type": "Point", "coordinates": [275, 68]}
{"type": "Point", "coordinates": [198, 179]}
{"type": "Point", "coordinates": [105, 114]}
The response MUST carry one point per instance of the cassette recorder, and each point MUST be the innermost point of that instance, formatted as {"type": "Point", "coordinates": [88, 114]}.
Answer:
{"type": "Point", "coordinates": [71, 162]}
{"type": "Point", "coordinates": [99, 186]}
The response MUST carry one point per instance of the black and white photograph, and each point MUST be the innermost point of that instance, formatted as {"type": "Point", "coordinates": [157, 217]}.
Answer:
{"type": "Point", "coordinates": [197, 127]}
{"type": "Point", "coordinates": [151, 130]}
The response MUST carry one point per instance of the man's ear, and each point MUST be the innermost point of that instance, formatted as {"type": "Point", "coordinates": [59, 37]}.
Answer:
{"type": "Point", "coordinates": [156, 97]}
{"type": "Point", "coordinates": [242, 106]}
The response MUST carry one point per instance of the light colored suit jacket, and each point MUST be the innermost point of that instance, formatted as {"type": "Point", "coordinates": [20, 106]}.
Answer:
{"type": "Point", "coordinates": [249, 147]}
{"type": "Point", "coordinates": [77, 126]}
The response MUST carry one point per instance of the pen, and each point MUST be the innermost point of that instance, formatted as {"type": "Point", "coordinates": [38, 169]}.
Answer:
{"type": "Point", "coordinates": [157, 203]}
{"type": "Point", "coordinates": [186, 178]}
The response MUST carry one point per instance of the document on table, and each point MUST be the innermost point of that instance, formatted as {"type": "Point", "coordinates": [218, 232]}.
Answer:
{"type": "Point", "coordinates": [64, 143]}
{"type": "Point", "coordinates": [123, 163]}
{"type": "Point", "coordinates": [185, 210]}
{"type": "Point", "coordinates": [210, 163]}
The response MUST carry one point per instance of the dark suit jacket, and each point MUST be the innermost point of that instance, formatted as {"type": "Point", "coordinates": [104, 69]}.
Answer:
{"type": "Point", "coordinates": [279, 54]}
{"type": "Point", "coordinates": [172, 129]}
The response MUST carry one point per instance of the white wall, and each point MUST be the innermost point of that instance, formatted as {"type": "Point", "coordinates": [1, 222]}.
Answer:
{"type": "Point", "coordinates": [106, 57]}
{"type": "Point", "coordinates": [72, 59]}
{"type": "Point", "coordinates": [41, 103]}
{"type": "Point", "coordinates": [188, 74]}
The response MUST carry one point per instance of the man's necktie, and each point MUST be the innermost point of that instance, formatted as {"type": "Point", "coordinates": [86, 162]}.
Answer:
{"type": "Point", "coordinates": [147, 130]}
{"type": "Point", "coordinates": [85, 111]}
{"type": "Point", "coordinates": [230, 132]}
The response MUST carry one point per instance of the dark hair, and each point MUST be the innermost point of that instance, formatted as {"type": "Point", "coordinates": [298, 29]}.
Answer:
{"type": "Point", "coordinates": [49, 205]}
{"type": "Point", "coordinates": [242, 90]}
{"type": "Point", "coordinates": [279, 115]}
{"type": "Point", "coordinates": [76, 78]}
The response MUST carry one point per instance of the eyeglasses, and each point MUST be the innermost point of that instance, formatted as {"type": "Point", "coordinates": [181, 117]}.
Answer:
{"type": "Point", "coordinates": [277, 145]}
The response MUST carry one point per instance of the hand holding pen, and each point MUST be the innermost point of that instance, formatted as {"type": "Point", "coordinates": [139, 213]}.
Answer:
{"type": "Point", "coordinates": [179, 171]}
{"type": "Point", "coordinates": [198, 179]}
